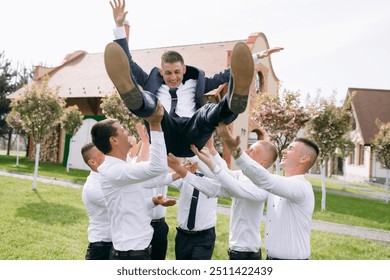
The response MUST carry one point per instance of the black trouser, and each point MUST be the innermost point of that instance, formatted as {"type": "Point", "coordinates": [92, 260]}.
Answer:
{"type": "Point", "coordinates": [194, 245]}
{"type": "Point", "coordinates": [131, 254]}
{"type": "Point", "coordinates": [237, 255]}
{"type": "Point", "coordinates": [98, 251]}
{"type": "Point", "coordinates": [181, 132]}
{"type": "Point", "coordinates": [269, 258]}
{"type": "Point", "coordinates": [160, 239]}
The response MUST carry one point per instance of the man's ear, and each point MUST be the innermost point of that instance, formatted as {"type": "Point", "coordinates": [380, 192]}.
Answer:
{"type": "Point", "coordinates": [305, 159]}
{"type": "Point", "coordinates": [113, 141]}
{"type": "Point", "coordinates": [161, 72]}
{"type": "Point", "coordinates": [184, 69]}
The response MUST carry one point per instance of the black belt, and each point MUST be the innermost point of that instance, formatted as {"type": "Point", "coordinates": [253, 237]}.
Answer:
{"type": "Point", "coordinates": [132, 253]}
{"type": "Point", "coordinates": [276, 259]}
{"type": "Point", "coordinates": [192, 232]}
{"type": "Point", "coordinates": [155, 222]}
{"type": "Point", "coordinates": [243, 255]}
{"type": "Point", "coordinates": [101, 243]}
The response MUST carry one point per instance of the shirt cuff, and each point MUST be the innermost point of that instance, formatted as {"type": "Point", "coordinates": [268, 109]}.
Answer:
{"type": "Point", "coordinates": [190, 178]}
{"type": "Point", "coordinates": [256, 60]}
{"type": "Point", "coordinates": [156, 136]}
{"type": "Point", "coordinates": [242, 158]}
{"type": "Point", "coordinates": [217, 169]}
{"type": "Point", "coordinates": [119, 33]}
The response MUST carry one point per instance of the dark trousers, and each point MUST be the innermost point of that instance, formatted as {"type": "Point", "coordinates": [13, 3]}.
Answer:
{"type": "Point", "coordinates": [131, 254]}
{"type": "Point", "coordinates": [236, 255]}
{"type": "Point", "coordinates": [194, 245]}
{"type": "Point", "coordinates": [98, 251]}
{"type": "Point", "coordinates": [180, 132]}
{"type": "Point", "coordinates": [160, 239]}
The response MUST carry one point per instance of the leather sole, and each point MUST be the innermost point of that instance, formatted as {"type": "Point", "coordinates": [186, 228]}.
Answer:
{"type": "Point", "coordinates": [242, 70]}
{"type": "Point", "coordinates": [118, 69]}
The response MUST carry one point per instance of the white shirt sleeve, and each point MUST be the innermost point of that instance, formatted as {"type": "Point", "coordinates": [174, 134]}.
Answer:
{"type": "Point", "coordinates": [119, 33]}
{"type": "Point", "coordinates": [287, 187]}
{"type": "Point", "coordinates": [210, 187]}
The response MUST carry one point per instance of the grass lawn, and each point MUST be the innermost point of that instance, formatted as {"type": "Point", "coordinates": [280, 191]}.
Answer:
{"type": "Point", "coordinates": [51, 224]}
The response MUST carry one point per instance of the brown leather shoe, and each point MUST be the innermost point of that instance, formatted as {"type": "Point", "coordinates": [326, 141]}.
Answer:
{"type": "Point", "coordinates": [242, 70]}
{"type": "Point", "coordinates": [118, 69]}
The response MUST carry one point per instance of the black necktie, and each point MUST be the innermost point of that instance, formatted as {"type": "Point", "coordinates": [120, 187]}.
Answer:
{"type": "Point", "coordinates": [194, 203]}
{"type": "Point", "coordinates": [172, 92]}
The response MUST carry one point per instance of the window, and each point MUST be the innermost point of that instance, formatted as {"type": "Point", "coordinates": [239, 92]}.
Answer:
{"type": "Point", "coordinates": [352, 157]}
{"type": "Point", "coordinates": [361, 154]}
{"type": "Point", "coordinates": [259, 82]}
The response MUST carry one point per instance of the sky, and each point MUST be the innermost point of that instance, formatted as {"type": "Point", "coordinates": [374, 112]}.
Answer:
{"type": "Point", "coordinates": [329, 45]}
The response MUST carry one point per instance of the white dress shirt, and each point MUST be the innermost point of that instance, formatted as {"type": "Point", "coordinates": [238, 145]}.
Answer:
{"type": "Point", "coordinates": [247, 204]}
{"type": "Point", "coordinates": [290, 208]}
{"type": "Point", "coordinates": [206, 210]}
{"type": "Point", "coordinates": [122, 185]}
{"type": "Point", "coordinates": [99, 228]}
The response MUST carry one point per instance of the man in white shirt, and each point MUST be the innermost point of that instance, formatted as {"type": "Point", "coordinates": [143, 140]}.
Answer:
{"type": "Point", "coordinates": [161, 229]}
{"type": "Point", "coordinates": [121, 182]}
{"type": "Point", "coordinates": [247, 200]}
{"type": "Point", "coordinates": [290, 204]}
{"type": "Point", "coordinates": [99, 229]}
{"type": "Point", "coordinates": [180, 88]}
{"type": "Point", "coordinates": [194, 242]}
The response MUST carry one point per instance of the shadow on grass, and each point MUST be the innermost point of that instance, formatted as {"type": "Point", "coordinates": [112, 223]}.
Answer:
{"type": "Point", "coordinates": [51, 213]}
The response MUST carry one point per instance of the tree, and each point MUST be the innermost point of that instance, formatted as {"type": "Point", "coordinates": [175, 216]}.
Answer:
{"type": "Point", "coordinates": [328, 127]}
{"type": "Point", "coordinates": [381, 145]}
{"type": "Point", "coordinates": [281, 117]}
{"type": "Point", "coordinates": [7, 85]}
{"type": "Point", "coordinates": [40, 110]}
{"type": "Point", "coordinates": [113, 107]}
{"type": "Point", "coordinates": [71, 121]}
{"type": "Point", "coordinates": [13, 119]}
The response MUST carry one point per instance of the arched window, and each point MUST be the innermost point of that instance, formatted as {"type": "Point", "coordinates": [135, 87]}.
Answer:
{"type": "Point", "coordinates": [259, 82]}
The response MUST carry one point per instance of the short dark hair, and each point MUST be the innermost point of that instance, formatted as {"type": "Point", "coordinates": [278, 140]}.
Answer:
{"type": "Point", "coordinates": [309, 143]}
{"type": "Point", "coordinates": [85, 152]}
{"type": "Point", "coordinates": [171, 57]}
{"type": "Point", "coordinates": [101, 133]}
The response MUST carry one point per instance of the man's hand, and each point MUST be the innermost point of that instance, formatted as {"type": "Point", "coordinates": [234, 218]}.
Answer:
{"type": "Point", "coordinates": [210, 146]}
{"type": "Point", "coordinates": [142, 132]}
{"type": "Point", "coordinates": [227, 138]}
{"type": "Point", "coordinates": [175, 164]}
{"type": "Point", "coordinates": [191, 167]}
{"type": "Point", "coordinates": [204, 155]}
{"type": "Point", "coordinates": [118, 12]}
{"type": "Point", "coordinates": [163, 201]}
{"type": "Point", "coordinates": [268, 52]}
{"type": "Point", "coordinates": [155, 119]}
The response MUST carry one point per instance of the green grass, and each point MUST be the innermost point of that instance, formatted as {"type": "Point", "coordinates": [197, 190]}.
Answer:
{"type": "Point", "coordinates": [340, 209]}
{"type": "Point", "coordinates": [51, 224]}
{"type": "Point", "coordinates": [47, 169]}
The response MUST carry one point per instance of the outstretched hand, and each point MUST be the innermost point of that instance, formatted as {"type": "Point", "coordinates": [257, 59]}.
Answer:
{"type": "Point", "coordinates": [203, 155]}
{"type": "Point", "coordinates": [231, 142]}
{"type": "Point", "coordinates": [142, 132]}
{"type": "Point", "coordinates": [118, 12]}
{"type": "Point", "coordinates": [163, 201]}
{"type": "Point", "coordinates": [155, 119]}
{"type": "Point", "coordinates": [268, 52]}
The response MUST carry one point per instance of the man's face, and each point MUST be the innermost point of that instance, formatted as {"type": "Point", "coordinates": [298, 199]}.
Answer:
{"type": "Point", "coordinates": [173, 73]}
{"type": "Point", "coordinates": [292, 155]}
{"type": "Point", "coordinates": [123, 137]}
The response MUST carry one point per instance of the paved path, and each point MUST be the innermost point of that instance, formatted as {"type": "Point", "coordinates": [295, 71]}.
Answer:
{"type": "Point", "coordinates": [371, 234]}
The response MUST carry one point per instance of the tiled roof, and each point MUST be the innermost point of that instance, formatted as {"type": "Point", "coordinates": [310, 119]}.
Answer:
{"type": "Point", "coordinates": [84, 75]}
{"type": "Point", "coordinates": [369, 105]}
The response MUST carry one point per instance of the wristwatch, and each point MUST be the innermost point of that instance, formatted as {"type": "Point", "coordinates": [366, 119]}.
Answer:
{"type": "Point", "coordinates": [235, 153]}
